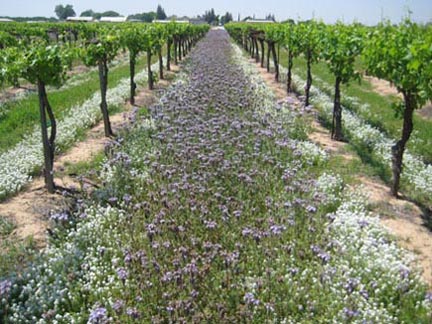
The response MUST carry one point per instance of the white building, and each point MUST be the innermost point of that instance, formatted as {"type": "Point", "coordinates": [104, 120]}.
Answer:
{"type": "Point", "coordinates": [80, 19]}
{"type": "Point", "coordinates": [113, 19]}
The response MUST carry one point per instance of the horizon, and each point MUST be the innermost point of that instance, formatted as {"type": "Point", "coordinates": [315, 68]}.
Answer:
{"type": "Point", "coordinates": [368, 12]}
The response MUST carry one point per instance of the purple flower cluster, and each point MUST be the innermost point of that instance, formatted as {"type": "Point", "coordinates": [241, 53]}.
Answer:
{"type": "Point", "coordinates": [99, 315]}
{"type": "Point", "coordinates": [5, 288]}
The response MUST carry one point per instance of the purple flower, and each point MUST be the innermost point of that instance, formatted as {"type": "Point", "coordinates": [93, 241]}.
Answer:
{"type": "Point", "coordinates": [60, 217]}
{"type": "Point", "coordinates": [112, 200]}
{"type": "Point", "coordinates": [349, 313]}
{"type": "Point", "coordinates": [277, 229]}
{"type": "Point", "coordinates": [250, 299]}
{"type": "Point", "coordinates": [5, 287]}
{"type": "Point", "coordinates": [210, 224]}
{"type": "Point", "coordinates": [311, 209]}
{"type": "Point", "coordinates": [98, 315]}
{"type": "Point", "coordinates": [133, 312]}
{"type": "Point", "coordinates": [118, 306]}
{"type": "Point", "coordinates": [122, 273]}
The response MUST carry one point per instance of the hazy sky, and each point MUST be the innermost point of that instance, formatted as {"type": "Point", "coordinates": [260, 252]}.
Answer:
{"type": "Point", "coordinates": [366, 11]}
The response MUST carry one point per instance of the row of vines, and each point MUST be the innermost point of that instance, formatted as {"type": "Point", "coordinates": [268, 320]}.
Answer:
{"type": "Point", "coordinates": [400, 54]}
{"type": "Point", "coordinates": [42, 54]}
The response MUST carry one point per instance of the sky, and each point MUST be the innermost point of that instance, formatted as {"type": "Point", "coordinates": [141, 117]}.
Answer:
{"type": "Point", "coordinates": [364, 11]}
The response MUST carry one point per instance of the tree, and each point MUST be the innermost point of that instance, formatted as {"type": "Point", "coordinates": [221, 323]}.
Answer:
{"type": "Point", "coordinates": [131, 39]}
{"type": "Point", "coordinates": [402, 56]}
{"type": "Point", "coordinates": [87, 13]}
{"type": "Point", "coordinates": [145, 16]}
{"type": "Point", "coordinates": [99, 52]}
{"type": "Point", "coordinates": [41, 64]}
{"type": "Point", "coordinates": [160, 13]}
{"type": "Point", "coordinates": [292, 43]}
{"type": "Point", "coordinates": [274, 34]}
{"type": "Point", "coordinates": [310, 47]}
{"type": "Point", "coordinates": [342, 45]}
{"type": "Point", "coordinates": [63, 12]}
{"type": "Point", "coordinates": [110, 13]}
{"type": "Point", "coordinates": [270, 17]}
{"type": "Point", "coordinates": [210, 17]}
{"type": "Point", "coordinates": [226, 18]}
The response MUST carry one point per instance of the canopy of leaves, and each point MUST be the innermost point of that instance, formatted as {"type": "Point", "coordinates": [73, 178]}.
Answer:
{"type": "Point", "coordinates": [63, 12]}
{"type": "Point", "coordinates": [292, 39]}
{"type": "Point", "coordinates": [341, 46]}
{"type": "Point", "coordinates": [88, 13]}
{"type": "Point", "coordinates": [402, 55]}
{"type": "Point", "coordinates": [104, 48]}
{"type": "Point", "coordinates": [110, 13]}
{"type": "Point", "coordinates": [145, 16]}
{"type": "Point", "coordinates": [311, 33]}
{"type": "Point", "coordinates": [7, 40]}
{"type": "Point", "coordinates": [131, 39]}
{"type": "Point", "coordinates": [40, 61]}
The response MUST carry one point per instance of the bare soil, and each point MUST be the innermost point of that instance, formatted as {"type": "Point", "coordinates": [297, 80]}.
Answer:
{"type": "Point", "coordinates": [30, 209]}
{"type": "Point", "coordinates": [403, 219]}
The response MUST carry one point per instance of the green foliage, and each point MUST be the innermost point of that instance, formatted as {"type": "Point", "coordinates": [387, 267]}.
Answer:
{"type": "Point", "coordinates": [131, 40]}
{"type": "Point", "coordinates": [402, 55]}
{"type": "Point", "coordinates": [292, 39]}
{"type": "Point", "coordinates": [210, 17]}
{"type": "Point", "coordinates": [341, 46]}
{"type": "Point", "coordinates": [311, 34]}
{"type": "Point", "coordinates": [63, 12]}
{"type": "Point", "coordinates": [110, 13]}
{"type": "Point", "coordinates": [7, 40]}
{"type": "Point", "coordinates": [39, 61]}
{"type": "Point", "coordinates": [225, 19]}
{"type": "Point", "coordinates": [275, 32]}
{"type": "Point", "coordinates": [104, 48]}
{"type": "Point", "coordinates": [145, 16]}
{"type": "Point", "coordinates": [160, 13]}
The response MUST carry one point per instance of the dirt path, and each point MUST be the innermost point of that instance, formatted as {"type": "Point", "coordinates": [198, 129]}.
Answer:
{"type": "Point", "coordinates": [402, 218]}
{"type": "Point", "coordinates": [30, 209]}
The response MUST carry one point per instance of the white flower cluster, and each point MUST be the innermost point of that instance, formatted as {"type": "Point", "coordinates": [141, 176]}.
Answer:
{"type": "Point", "coordinates": [18, 163]}
{"type": "Point", "coordinates": [415, 171]}
{"type": "Point", "coordinates": [367, 256]}
{"type": "Point", "coordinates": [331, 185]}
{"type": "Point", "coordinates": [83, 266]}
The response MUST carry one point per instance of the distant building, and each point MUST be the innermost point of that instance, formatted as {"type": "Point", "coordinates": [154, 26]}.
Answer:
{"type": "Point", "coordinates": [168, 21]}
{"type": "Point", "coordinates": [259, 21]}
{"type": "Point", "coordinates": [80, 19]}
{"type": "Point", "coordinates": [113, 19]}
{"type": "Point", "coordinates": [6, 20]}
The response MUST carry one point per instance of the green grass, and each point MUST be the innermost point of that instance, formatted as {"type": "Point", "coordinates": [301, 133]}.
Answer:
{"type": "Point", "coordinates": [85, 167]}
{"type": "Point", "coordinates": [381, 115]}
{"type": "Point", "coordinates": [23, 115]}
{"type": "Point", "coordinates": [14, 253]}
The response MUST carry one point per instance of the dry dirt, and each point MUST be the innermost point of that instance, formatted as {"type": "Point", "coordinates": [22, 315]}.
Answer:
{"type": "Point", "coordinates": [402, 218]}
{"type": "Point", "coordinates": [30, 208]}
